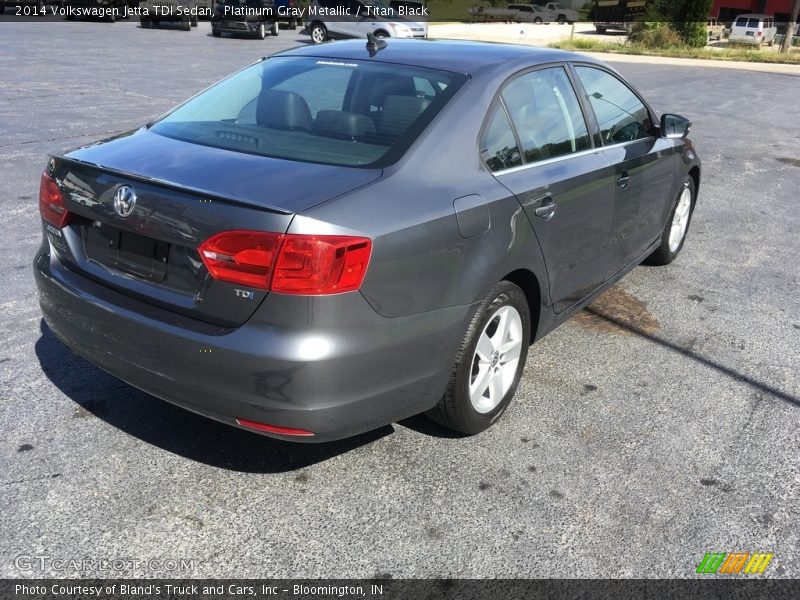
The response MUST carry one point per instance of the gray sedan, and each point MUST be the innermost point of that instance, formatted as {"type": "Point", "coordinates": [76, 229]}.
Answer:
{"type": "Point", "coordinates": [342, 236]}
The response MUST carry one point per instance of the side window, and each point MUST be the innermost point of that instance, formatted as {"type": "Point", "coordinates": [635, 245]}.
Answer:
{"type": "Point", "coordinates": [545, 111]}
{"type": "Point", "coordinates": [621, 115]}
{"type": "Point", "coordinates": [498, 146]}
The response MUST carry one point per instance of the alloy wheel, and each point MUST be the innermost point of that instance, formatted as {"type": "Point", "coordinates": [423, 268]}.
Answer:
{"type": "Point", "coordinates": [494, 364]}
{"type": "Point", "coordinates": [680, 220]}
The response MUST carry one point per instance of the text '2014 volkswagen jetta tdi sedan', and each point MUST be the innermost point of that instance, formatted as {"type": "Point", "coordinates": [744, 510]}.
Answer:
{"type": "Point", "coordinates": [338, 237]}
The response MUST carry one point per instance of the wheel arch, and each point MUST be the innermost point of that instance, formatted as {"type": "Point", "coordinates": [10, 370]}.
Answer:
{"type": "Point", "coordinates": [527, 281]}
{"type": "Point", "coordinates": [694, 173]}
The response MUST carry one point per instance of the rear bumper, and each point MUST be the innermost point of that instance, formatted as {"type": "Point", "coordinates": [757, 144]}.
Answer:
{"type": "Point", "coordinates": [330, 365]}
{"type": "Point", "coordinates": [748, 39]}
{"type": "Point", "coordinates": [240, 26]}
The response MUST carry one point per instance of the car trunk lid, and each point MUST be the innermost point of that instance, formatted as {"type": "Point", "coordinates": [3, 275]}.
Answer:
{"type": "Point", "coordinates": [185, 194]}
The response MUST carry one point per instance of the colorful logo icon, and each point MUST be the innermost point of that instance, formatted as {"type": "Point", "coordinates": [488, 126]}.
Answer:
{"type": "Point", "coordinates": [734, 563]}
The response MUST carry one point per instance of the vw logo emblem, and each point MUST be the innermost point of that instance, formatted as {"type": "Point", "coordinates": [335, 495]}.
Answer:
{"type": "Point", "coordinates": [124, 201]}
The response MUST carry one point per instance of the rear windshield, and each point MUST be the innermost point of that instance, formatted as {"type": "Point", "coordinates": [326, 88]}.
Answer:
{"type": "Point", "coordinates": [329, 111]}
{"type": "Point", "coordinates": [746, 22]}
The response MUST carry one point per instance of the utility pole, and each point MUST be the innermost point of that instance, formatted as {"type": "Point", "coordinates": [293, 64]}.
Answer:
{"type": "Point", "coordinates": [790, 27]}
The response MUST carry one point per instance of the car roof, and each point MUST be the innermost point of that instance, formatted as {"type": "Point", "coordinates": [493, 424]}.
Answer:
{"type": "Point", "coordinates": [446, 55]}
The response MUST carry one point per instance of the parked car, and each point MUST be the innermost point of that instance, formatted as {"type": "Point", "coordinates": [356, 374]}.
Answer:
{"type": "Point", "coordinates": [617, 15]}
{"type": "Point", "coordinates": [289, 12]}
{"type": "Point", "coordinates": [489, 13]}
{"type": "Point", "coordinates": [561, 13]}
{"type": "Point", "coordinates": [753, 29]}
{"type": "Point", "coordinates": [182, 12]}
{"type": "Point", "coordinates": [530, 13]}
{"type": "Point", "coordinates": [253, 18]}
{"type": "Point", "coordinates": [359, 19]}
{"type": "Point", "coordinates": [343, 237]}
{"type": "Point", "coordinates": [714, 29]}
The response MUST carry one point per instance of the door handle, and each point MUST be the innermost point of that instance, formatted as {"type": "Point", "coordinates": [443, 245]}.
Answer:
{"type": "Point", "coordinates": [547, 209]}
{"type": "Point", "coordinates": [624, 179]}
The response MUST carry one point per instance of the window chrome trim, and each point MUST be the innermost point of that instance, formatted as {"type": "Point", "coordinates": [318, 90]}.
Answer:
{"type": "Point", "coordinates": [563, 157]}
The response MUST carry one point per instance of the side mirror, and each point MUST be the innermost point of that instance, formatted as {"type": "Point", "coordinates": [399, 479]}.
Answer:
{"type": "Point", "coordinates": [675, 126]}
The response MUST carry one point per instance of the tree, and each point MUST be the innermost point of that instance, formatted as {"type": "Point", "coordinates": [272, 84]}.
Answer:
{"type": "Point", "coordinates": [790, 27]}
{"type": "Point", "coordinates": [690, 20]}
{"type": "Point", "coordinates": [687, 17]}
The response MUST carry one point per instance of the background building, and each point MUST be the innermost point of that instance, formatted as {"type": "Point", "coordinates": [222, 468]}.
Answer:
{"type": "Point", "coordinates": [726, 10]}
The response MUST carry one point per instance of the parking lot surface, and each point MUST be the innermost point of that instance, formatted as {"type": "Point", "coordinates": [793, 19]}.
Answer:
{"type": "Point", "coordinates": [658, 425]}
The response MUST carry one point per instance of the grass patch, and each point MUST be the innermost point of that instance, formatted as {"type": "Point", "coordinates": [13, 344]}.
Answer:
{"type": "Point", "coordinates": [741, 54]}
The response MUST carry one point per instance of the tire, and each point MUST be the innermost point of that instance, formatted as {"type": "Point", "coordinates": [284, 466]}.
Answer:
{"type": "Point", "coordinates": [538, 20]}
{"type": "Point", "coordinates": [600, 30]}
{"type": "Point", "coordinates": [261, 32]}
{"type": "Point", "coordinates": [292, 25]}
{"type": "Point", "coordinates": [562, 19]}
{"type": "Point", "coordinates": [381, 34]}
{"type": "Point", "coordinates": [318, 32]}
{"type": "Point", "coordinates": [193, 20]}
{"type": "Point", "coordinates": [144, 22]}
{"type": "Point", "coordinates": [472, 413]}
{"type": "Point", "coordinates": [216, 32]}
{"type": "Point", "coordinates": [669, 248]}
{"type": "Point", "coordinates": [186, 24]}
{"type": "Point", "coordinates": [274, 30]}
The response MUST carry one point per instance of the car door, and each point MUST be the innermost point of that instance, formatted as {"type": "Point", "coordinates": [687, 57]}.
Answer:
{"type": "Point", "coordinates": [643, 161]}
{"type": "Point", "coordinates": [565, 186]}
{"type": "Point", "coordinates": [361, 21]}
{"type": "Point", "coordinates": [343, 24]}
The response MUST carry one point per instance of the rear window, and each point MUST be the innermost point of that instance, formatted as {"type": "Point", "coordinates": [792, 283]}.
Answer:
{"type": "Point", "coordinates": [330, 111]}
{"type": "Point", "coordinates": [741, 22]}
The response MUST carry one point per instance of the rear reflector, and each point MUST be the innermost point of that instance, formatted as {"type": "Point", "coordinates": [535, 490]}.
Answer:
{"type": "Point", "coordinates": [288, 264]}
{"type": "Point", "coordinates": [51, 203]}
{"type": "Point", "coordinates": [273, 428]}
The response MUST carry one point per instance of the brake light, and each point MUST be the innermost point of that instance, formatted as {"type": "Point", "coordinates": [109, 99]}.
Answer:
{"type": "Point", "coordinates": [51, 203]}
{"type": "Point", "coordinates": [243, 257]}
{"type": "Point", "coordinates": [288, 264]}
{"type": "Point", "coordinates": [274, 428]}
{"type": "Point", "coordinates": [324, 264]}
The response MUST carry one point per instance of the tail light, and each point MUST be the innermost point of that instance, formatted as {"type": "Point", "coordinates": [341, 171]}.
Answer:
{"type": "Point", "coordinates": [51, 203]}
{"type": "Point", "coordinates": [243, 257]}
{"type": "Point", "coordinates": [288, 264]}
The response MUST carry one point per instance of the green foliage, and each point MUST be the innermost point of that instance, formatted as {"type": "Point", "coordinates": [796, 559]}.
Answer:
{"type": "Point", "coordinates": [652, 35]}
{"type": "Point", "coordinates": [687, 17]}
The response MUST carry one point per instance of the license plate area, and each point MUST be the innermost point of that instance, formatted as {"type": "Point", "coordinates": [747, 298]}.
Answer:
{"type": "Point", "coordinates": [749, 32]}
{"type": "Point", "coordinates": [126, 251]}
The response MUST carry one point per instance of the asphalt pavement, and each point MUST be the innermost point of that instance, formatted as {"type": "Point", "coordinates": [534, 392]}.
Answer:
{"type": "Point", "coordinates": [658, 425]}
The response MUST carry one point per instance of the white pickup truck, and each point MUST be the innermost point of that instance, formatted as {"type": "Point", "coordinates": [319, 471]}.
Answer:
{"type": "Point", "coordinates": [561, 13]}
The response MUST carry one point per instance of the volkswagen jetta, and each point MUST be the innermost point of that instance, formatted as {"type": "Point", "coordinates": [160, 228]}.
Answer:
{"type": "Point", "coordinates": [341, 236]}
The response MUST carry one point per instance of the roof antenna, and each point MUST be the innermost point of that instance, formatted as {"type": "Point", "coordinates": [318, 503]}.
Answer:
{"type": "Point", "coordinates": [374, 44]}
